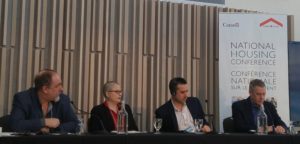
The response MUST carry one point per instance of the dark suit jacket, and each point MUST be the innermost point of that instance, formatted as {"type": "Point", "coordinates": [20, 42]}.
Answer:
{"type": "Point", "coordinates": [167, 113]}
{"type": "Point", "coordinates": [243, 117]}
{"type": "Point", "coordinates": [102, 120]}
{"type": "Point", "coordinates": [27, 115]}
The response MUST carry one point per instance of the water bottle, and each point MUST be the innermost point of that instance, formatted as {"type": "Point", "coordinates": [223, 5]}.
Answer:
{"type": "Point", "coordinates": [122, 123]}
{"type": "Point", "coordinates": [81, 126]}
{"type": "Point", "coordinates": [262, 122]}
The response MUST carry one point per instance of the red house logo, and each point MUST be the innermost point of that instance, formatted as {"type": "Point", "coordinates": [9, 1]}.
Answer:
{"type": "Point", "coordinates": [271, 20]}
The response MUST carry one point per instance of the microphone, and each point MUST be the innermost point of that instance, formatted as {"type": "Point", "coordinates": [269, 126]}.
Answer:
{"type": "Point", "coordinates": [102, 130]}
{"type": "Point", "coordinates": [267, 112]}
{"type": "Point", "coordinates": [211, 124]}
{"type": "Point", "coordinates": [271, 120]}
{"type": "Point", "coordinates": [78, 109]}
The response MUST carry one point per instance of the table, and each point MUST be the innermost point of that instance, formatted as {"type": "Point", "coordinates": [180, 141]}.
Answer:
{"type": "Point", "coordinates": [150, 138]}
{"type": "Point", "coordinates": [210, 139]}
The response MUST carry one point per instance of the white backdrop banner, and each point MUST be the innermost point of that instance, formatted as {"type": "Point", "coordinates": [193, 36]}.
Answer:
{"type": "Point", "coordinates": [253, 46]}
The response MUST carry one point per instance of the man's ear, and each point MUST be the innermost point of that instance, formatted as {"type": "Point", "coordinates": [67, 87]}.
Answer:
{"type": "Point", "coordinates": [45, 89]}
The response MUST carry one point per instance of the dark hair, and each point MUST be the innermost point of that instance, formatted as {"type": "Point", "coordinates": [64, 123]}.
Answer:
{"type": "Point", "coordinates": [254, 83]}
{"type": "Point", "coordinates": [43, 78]}
{"type": "Point", "coordinates": [173, 84]}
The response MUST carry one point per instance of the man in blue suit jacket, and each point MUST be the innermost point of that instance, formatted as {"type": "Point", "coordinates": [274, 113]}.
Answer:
{"type": "Point", "coordinates": [43, 108]}
{"type": "Point", "coordinates": [180, 111]}
{"type": "Point", "coordinates": [245, 112]}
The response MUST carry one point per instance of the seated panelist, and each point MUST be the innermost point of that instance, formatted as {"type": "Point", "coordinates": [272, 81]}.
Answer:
{"type": "Point", "coordinates": [43, 108]}
{"type": "Point", "coordinates": [244, 112]}
{"type": "Point", "coordinates": [104, 116]}
{"type": "Point", "coordinates": [179, 112]}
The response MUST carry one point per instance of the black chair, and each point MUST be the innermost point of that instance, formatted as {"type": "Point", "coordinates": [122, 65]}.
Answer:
{"type": "Point", "coordinates": [228, 126]}
{"type": "Point", "coordinates": [4, 123]}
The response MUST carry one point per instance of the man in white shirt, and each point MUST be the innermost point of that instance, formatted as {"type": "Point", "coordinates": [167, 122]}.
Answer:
{"type": "Point", "coordinates": [179, 112]}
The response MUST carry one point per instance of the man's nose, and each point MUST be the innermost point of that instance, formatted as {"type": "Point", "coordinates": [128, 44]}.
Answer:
{"type": "Point", "coordinates": [185, 95]}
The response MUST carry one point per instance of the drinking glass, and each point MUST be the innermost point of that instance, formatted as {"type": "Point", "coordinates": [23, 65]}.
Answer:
{"type": "Point", "coordinates": [292, 130]}
{"type": "Point", "coordinates": [198, 123]}
{"type": "Point", "coordinates": [157, 124]}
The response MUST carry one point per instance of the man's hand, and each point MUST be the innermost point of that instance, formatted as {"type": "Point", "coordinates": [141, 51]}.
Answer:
{"type": "Point", "coordinates": [52, 122]}
{"type": "Point", "coordinates": [270, 128]}
{"type": "Point", "coordinates": [45, 130]}
{"type": "Point", "coordinates": [279, 129]}
{"type": "Point", "coordinates": [206, 129]}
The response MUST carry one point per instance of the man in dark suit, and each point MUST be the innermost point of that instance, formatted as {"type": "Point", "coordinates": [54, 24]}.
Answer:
{"type": "Point", "coordinates": [245, 112]}
{"type": "Point", "coordinates": [43, 108]}
{"type": "Point", "coordinates": [179, 112]}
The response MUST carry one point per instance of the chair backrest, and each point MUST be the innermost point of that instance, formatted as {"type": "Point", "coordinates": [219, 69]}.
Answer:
{"type": "Point", "coordinates": [228, 126]}
{"type": "Point", "coordinates": [4, 123]}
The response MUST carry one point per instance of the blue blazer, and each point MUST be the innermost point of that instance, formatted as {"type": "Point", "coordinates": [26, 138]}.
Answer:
{"type": "Point", "coordinates": [167, 113]}
{"type": "Point", "coordinates": [27, 115]}
{"type": "Point", "coordinates": [243, 117]}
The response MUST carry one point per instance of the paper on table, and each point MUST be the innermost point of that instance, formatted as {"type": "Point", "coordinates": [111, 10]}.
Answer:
{"type": "Point", "coordinates": [129, 132]}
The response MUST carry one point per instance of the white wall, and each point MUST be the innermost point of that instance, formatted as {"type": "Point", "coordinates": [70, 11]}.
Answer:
{"type": "Point", "coordinates": [290, 7]}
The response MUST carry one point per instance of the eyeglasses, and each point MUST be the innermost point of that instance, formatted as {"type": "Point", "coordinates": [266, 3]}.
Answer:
{"type": "Point", "coordinates": [116, 91]}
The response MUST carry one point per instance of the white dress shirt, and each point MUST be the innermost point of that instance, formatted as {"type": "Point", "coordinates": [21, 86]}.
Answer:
{"type": "Point", "coordinates": [184, 118]}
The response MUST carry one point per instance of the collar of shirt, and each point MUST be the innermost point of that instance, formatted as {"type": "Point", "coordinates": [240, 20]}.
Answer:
{"type": "Point", "coordinates": [176, 109]}
{"type": "Point", "coordinates": [50, 106]}
{"type": "Point", "coordinates": [184, 118]}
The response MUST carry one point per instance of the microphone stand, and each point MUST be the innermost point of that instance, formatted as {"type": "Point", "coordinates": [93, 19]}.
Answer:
{"type": "Point", "coordinates": [80, 111]}
{"type": "Point", "coordinates": [81, 118]}
{"type": "Point", "coordinates": [210, 118]}
{"type": "Point", "coordinates": [83, 112]}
